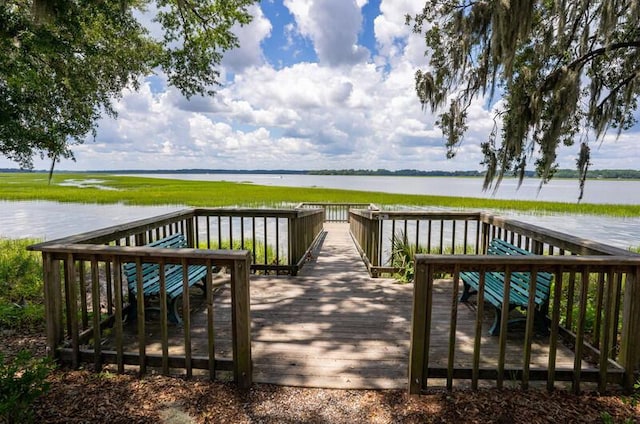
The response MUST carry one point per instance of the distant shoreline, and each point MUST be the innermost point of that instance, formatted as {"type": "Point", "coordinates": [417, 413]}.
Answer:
{"type": "Point", "coordinates": [620, 174]}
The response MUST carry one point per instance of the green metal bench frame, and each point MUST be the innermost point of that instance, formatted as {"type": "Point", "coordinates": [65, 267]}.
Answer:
{"type": "Point", "coordinates": [173, 278]}
{"type": "Point", "coordinates": [519, 288]}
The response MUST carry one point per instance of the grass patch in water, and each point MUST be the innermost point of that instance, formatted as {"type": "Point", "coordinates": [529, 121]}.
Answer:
{"type": "Point", "coordinates": [156, 191]}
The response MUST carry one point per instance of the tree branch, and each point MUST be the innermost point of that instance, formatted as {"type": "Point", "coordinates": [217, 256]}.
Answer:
{"type": "Point", "coordinates": [618, 87]}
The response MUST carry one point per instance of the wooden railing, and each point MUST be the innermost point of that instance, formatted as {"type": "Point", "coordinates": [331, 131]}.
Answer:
{"type": "Point", "coordinates": [595, 305]}
{"type": "Point", "coordinates": [86, 295]}
{"type": "Point", "coordinates": [278, 239]}
{"type": "Point", "coordinates": [336, 212]}
{"type": "Point", "coordinates": [434, 232]}
{"type": "Point", "coordinates": [612, 346]}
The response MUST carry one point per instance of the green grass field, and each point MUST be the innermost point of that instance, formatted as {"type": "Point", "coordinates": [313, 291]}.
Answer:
{"type": "Point", "coordinates": [155, 191]}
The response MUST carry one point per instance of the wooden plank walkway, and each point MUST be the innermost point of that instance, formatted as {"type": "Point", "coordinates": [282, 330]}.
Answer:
{"type": "Point", "coordinates": [333, 326]}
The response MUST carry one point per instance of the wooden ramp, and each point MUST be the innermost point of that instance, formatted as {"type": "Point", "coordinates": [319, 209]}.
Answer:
{"type": "Point", "coordinates": [333, 326]}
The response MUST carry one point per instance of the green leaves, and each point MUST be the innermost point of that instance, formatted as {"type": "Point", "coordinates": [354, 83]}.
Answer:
{"type": "Point", "coordinates": [564, 69]}
{"type": "Point", "coordinates": [66, 61]}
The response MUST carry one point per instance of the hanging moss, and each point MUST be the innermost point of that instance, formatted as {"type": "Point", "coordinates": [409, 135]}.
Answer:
{"type": "Point", "coordinates": [566, 70]}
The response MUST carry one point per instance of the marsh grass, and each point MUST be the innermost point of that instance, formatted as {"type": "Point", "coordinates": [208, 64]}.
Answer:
{"type": "Point", "coordinates": [258, 251]}
{"type": "Point", "coordinates": [156, 191]}
{"type": "Point", "coordinates": [21, 285]}
{"type": "Point", "coordinates": [403, 254]}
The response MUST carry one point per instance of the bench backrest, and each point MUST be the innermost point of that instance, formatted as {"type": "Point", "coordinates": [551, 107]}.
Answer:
{"type": "Point", "coordinates": [174, 241]}
{"type": "Point", "coordinates": [520, 280]}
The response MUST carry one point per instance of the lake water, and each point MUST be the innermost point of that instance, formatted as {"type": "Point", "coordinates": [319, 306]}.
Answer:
{"type": "Point", "coordinates": [51, 220]}
{"type": "Point", "coordinates": [561, 190]}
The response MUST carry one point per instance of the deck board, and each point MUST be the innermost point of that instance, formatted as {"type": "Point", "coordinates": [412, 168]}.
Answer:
{"type": "Point", "coordinates": [333, 326]}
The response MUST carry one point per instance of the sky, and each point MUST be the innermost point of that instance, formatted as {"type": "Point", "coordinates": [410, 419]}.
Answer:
{"type": "Point", "coordinates": [316, 84]}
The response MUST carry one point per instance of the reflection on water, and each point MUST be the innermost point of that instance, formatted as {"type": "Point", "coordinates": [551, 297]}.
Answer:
{"type": "Point", "coordinates": [558, 190]}
{"type": "Point", "coordinates": [51, 220]}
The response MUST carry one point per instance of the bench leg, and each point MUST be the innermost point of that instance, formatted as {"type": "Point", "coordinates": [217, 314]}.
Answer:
{"type": "Point", "coordinates": [132, 312]}
{"type": "Point", "coordinates": [497, 319]}
{"type": "Point", "coordinates": [541, 322]}
{"type": "Point", "coordinates": [467, 291]}
{"type": "Point", "coordinates": [172, 311]}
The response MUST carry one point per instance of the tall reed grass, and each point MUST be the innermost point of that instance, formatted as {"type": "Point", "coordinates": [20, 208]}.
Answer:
{"type": "Point", "coordinates": [21, 285]}
{"type": "Point", "coordinates": [156, 191]}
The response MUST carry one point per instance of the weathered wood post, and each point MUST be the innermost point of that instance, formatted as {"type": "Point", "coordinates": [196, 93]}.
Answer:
{"type": "Point", "coordinates": [191, 232]}
{"type": "Point", "coordinates": [241, 320]}
{"type": "Point", "coordinates": [295, 239]}
{"type": "Point", "coordinates": [52, 303]}
{"type": "Point", "coordinates": [630, 342]}
{"type": "Point", "coordinates": [374, 222]}
{"type": "Point", "coordinates": [420, 327]}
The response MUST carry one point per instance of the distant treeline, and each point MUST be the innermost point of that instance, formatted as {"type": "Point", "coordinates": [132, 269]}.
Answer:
{"type": "Point", "coordinates": [561, 173]}
{"type": "Point", "coordinates": [400, 172]}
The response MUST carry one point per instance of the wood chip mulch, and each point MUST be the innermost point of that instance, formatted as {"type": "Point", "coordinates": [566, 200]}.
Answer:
{"type": "Point", "coordinates": [87, 397]}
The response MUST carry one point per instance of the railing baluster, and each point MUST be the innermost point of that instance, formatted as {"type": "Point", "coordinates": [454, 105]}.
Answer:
{"type": "Point", "coordinates": [582, 313]}
{"type": "Point", "coordinates": [504, 314]}
{"type": "Point", "coordinates": [477, 341]}
{"type": "Point", "coordinates": [533, 281]}
{"type": "Point", "coordinates": [598, 318]}
{"type": "Point", "coordinates": [96, 310]}
{"type": "Point", "coordinates": [555, 323]}
{"type": "Point", "coordinates": [453, 326]}
{"type": "Point", "coordinates": [606, 333]}
{"type": "Point", "coordinates": [142, 341]}
{"type": "Point", "coordinates": [72, 310]}
{"type": "Point", "coordinates": [211, 346]}
{"type": "Point", "coordinates": [186, 317]}
{"type": "Point", "coordinates": [164, 325]}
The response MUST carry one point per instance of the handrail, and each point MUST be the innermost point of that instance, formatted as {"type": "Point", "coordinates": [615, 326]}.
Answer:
{"type": "Point", "coordinates": [613, 279]}
{"type": "Point", "coordinates": [83, 284]}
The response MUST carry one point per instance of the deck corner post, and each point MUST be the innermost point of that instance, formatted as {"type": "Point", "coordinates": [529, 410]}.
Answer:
{"type": "Point", "coordinates": [374, 232]}
{"type": "Point", "coordinates": [630, 343]}
{"type": "Point", "coordinates": [419, 349]}
{"type": "Point", "coordinates": [52, 303]}
{"type": "Point", "coordinates": [191, 232]}
{"type": "Point", "coordinates": [294, 241]}
{"type": "Point", "coordinates": [241, 317]}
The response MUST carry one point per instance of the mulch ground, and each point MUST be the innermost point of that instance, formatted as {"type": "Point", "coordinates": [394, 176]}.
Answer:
{"type": "Point", "coordinates": [86, 397]}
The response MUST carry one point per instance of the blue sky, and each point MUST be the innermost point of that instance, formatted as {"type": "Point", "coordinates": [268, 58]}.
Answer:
{"type": "Point", "coordinates": [316, 84]}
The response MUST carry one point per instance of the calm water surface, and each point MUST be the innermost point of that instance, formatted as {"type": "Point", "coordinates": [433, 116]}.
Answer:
{"type": "Point", "coordinates": [596, 191]}
{"type": "Point", "coordinates": [51, 220]}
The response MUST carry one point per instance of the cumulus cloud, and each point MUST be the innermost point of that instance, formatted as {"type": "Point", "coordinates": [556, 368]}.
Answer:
{"type": "Point", "coordinates": [333, 27]}
{"type": "Point", "coordinates": [249, 36]}
{"type": "Point", "coordinates": [305, 115]}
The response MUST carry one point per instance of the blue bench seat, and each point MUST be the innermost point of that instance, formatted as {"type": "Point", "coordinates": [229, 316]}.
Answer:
{"type": "Point", "coordinates": [172, 274]}
{"type": "Point", "coordinates": [519, 287]}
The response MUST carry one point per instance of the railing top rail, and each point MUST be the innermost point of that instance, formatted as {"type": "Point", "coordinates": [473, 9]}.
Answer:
{"type": "Point", "coordinates": [107, 234]}
{"type": "Point", "coordinates": [528, 260]}
{"type": "Point", "coordinates": [306, 204]}
{"type": "Point", "coordinates": [416, 215]}
{"type": "Point", "coordinates": [253, 212]}
{"type": "Point", "coordinates": [221, 257]}
{"type": "Point", "coordinates": [560, 240]}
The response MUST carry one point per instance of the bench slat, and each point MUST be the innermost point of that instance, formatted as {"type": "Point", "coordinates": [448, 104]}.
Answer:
{"type": "Point", "coordinates": [172, 273]}
{"type": "Point", "coordinates": [519, 284]}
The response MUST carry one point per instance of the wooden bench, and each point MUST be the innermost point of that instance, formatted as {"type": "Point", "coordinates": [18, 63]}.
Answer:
{"type": "Point", "coordinates": [519, 284]}
{"type": "Point", "coordinates": [173, 278]}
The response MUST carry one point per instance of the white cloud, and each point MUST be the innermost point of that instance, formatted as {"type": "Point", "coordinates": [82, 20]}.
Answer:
{"type": "Point", "coordinates": [249, 36]}
{"type": "Point", "coordinates": [306, 115]}
{"type": "Point", "coordinates": [333, 27]}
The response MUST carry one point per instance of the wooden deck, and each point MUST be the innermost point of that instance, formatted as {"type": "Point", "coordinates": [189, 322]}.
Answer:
{"type": "Point", "coordinates": [333, 326]}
